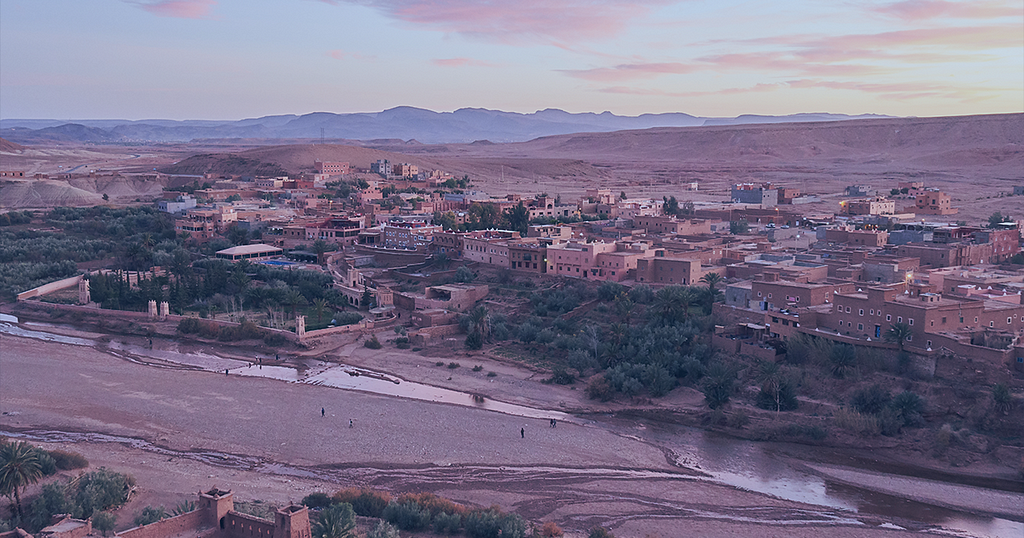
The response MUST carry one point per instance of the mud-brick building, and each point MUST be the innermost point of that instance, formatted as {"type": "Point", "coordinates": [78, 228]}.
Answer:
{"type": "Point", "coordinates": [214, 517]}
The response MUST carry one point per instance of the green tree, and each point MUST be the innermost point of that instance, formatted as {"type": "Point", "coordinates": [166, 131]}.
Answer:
{"type": "Point", "coordinates": [104, 522]}
{"type": "Point", "coordinates": [717, 385]}
{"type": "Point", "coordinates": [294, 299]}
{"type": "Point", "coordinates": [320, 247]}
{"type": "Point", "coordinates": [320, 306]}
{"type": "Point", "coordinates": [1002, 400]}
{"type": "Point", "coordinates": [739, 227]}
{"type": "Point", "coordinates": [996, 218]}
{"type": "Point", "coordinates": [19, 467]}
{"type": "Point", "coordinates": [712, 280]}
{"type": "Point", "coordinates": [384, 530]}
{"type": "Point", "coordinates": [338, 521]}
{"type": "Point", "coordinates": [149, 515]}
{"type": "Point", "coordinates": [843, 359]}
{"type": "Point", "coordinates": [671, 205]}
{"type": "Point", "coordinates": [898, 334]}
{"type": "Point", "coordinates": [367, 298]}
{"type": "Point", "coordinates": [518, 218]}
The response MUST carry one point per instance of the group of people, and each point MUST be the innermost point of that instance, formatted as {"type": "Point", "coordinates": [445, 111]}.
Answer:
{"type": "Point", "coordinates": [323, 413]}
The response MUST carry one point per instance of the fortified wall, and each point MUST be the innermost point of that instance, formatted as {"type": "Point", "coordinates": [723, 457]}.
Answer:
{"type": "Point", "coordinates": [214, 517]}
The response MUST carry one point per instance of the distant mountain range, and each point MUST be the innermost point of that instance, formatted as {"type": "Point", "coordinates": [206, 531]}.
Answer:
{"type": "Point", "coordinates": [406, 123]}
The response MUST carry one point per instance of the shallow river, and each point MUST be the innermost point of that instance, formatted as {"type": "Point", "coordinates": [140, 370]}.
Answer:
{"type": "Point", "coordinates": [742, 464]}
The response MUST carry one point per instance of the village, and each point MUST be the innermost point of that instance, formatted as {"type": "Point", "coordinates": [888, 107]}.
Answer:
{"type": "Point", "coordinates": [880, 260]}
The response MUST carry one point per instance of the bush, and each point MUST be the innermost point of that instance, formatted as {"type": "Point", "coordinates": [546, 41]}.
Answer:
{"type": "Point", "coordinates": [402, 342]}
{"type": "Point", "coordinates": [781, 399]}
{"type": "Point", "coordinates": [475, 340]}
{"type": "Point", "coordinates": [104, 522]}
{"type": "Point", "coordinates": [408, 516]}
{"type": "Point", "coordinates": [274, 339]}
{"type": "Point", "coordinates": [550, 529]}
{"type": "Point", "coordinates": [188, 326]}
{"type": "Point", "coordinates": [478, 368]}
{"type": "Point", "coordinates": [348, 318]}
{"type": "Point", "coordinates": [66, 460]}
{"type": "Point", "coordinates": [871, 400]}
{"type": "Point", "coordinates": [598, 388]}
{"type": "Point", "coordinates": [100, 490]}
{"type": "Point", "coordinates": [383, 530]}
{"type": "Point", "coordinates": [493, 523]}
{"type": "Point", "coordinates": [365, 502]}
{"type": "Point", "coordinates": [373, 343]}
{"type": "Point", "coordinates": [855, 422]}
{"type": "Point", "coordinates": [316, 500]}
{"type": "Point", "coordinates": [453, 365]}
{"type": "Point", "coordinates": [600, 532]}
{"type": "Point", "coordinates": [336, 521]}
{"type": "Point", "coordinates": [445, 523]}
{"type": "Point", "coordinates": [149, 515]}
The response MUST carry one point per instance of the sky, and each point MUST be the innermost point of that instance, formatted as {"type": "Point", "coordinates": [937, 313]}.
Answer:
{"type": "Point", "coordinates": [235, 59]}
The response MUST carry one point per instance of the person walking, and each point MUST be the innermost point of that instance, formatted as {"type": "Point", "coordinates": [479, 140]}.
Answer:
{"type": "Point", "coordinates": [522, 433]}
{"type": "Point", "coordinates": [349, 423]}
{"type": "Point", "coordinates": [323, 412]}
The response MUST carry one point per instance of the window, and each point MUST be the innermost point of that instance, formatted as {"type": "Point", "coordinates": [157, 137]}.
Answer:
{"type": "Point", "coordinates": [991, 324]}
{"type": "Point", "coordinates": [840, 323]}
{"type": "Point", "coordinates": [1009, 320]}
{"type": "Point", "coordinates": [860, 326]}
{"type": "Point", "coordinates": [888, 317]}
{"type": "Point", "coordinates": [847, 310]}
{"type": "Point", "coordinates": [769, 296]}
{"type": "Point", "coordinates": [961, 319]}
{"type": "Point", "coordinates": [899, 319]}
{"type": "Point", "coordinates": [911, 320]}
{"type": "Point", "coordinates": [909, 338]}
{"type": "Point", "coordinates": [872, 311]}
{"type": "Point", "coordinates": [862, 311]}
{"type": "Point", "coordinates": [929, 343]}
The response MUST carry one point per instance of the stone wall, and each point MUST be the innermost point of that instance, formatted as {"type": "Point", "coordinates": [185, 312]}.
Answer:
{"type": "Point", "coordinates": [50, 288]}
{"type": "Point", "coordinates": [238, 525]}
{"type": "Point", "coordinates": [171, 526]}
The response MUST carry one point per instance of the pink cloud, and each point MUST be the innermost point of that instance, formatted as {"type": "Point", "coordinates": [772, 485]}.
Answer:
{"type": "Point", "coordinates": [342, 55]}
{"type": "Point", "coordinates": [914, 10]}
{"type": "Point", "coordinates": [182, 9]}
{"type": "Point", "coordinates": [630, 71]}
{"type": "Point", "coordinates": [461, 62]}
{"type": "Point", "coordinates": [507, 21]}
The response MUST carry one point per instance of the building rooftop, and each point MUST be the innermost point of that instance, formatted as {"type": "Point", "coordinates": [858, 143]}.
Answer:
{"type": "Point", "coordinates": [248, 249]}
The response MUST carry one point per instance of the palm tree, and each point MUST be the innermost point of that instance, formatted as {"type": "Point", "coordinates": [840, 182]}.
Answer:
{"type": "Point", "coordinates": [294, 299]}
{"type": "Point", "coordinates": [712, 280]}
{"type": "Point", "coordinates": [320, 247]}
{"type": "Point", "coordinates": [770, 376]}
{"type": "Point", "coordinates": [479, 321]}
{"type": "Point", "coordinates": [320, 305]}
{"type": "Point", "coordinates": [898, 333]}
{"type": "Point", "coordinates": [19, 467]}
{"type": "Point", "coordinates": [338, 521]}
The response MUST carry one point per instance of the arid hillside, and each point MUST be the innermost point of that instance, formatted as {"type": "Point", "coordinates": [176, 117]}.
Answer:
{"type": "Point", "coordinates": [973, 158]}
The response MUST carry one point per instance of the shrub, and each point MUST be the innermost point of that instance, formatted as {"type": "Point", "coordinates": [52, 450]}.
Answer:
{"type": "Point", "coordinates": [402, 342]}
{"type": "Point", "coordinates": [445, 523]}
{"type": "Point", "coordinates": [855, 422]}
{"type": "Point", "coordinates": [348, 318]}
{"type": "Point", "coordinates": [475, 340]}
{"type": "Point", "coordinates": [383, 530]}
{"type": "Point", "coordinates": [550, 529]}
{"type": "Point", "coordinates": [492, 374]}
{"type": "Point", "coordinates": [492, 523]}
{"type": "Point", "coordinates": [274, 339]}
{"type": "Point", "coordinates": [598, 388]}
{"type": "Point", "coordinates": [365, 502]}
{"type": "Point", "coordinates": [408, 516]}
{"type": "Point", "coordinates": [871, 400]}
{"type": "Point", "coordinates": [316, 500]}
{"type": "Point", "coordinates": [188, 326]}
{"type": "Point", "coordinates": [907, 407]}
{"type": "Point", "coordinates": [149, 515]}
{"type": "Point", "coordinates": [336, 521]}
{"type": "Point", "coordinates": [781, 399]}
{"type": "Point", "coordinates": [184, 507]}
{"type": "Point", "coordinates": [373, 343]}
{"type": "Point", "coordinates": [478, 368]}
{"type": "Point", "coordinates": [843, 359]}
{"type": "Point", "coordinates": [717, 386]}
{"type": "Point", "coordinates": [453, 365]}
{"type": "Point", "coordinates": [600, 532]}
{"type": "Point", "coordinates": [104, 522]}
{"type": "Point", "coordinates": [101, 490]}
